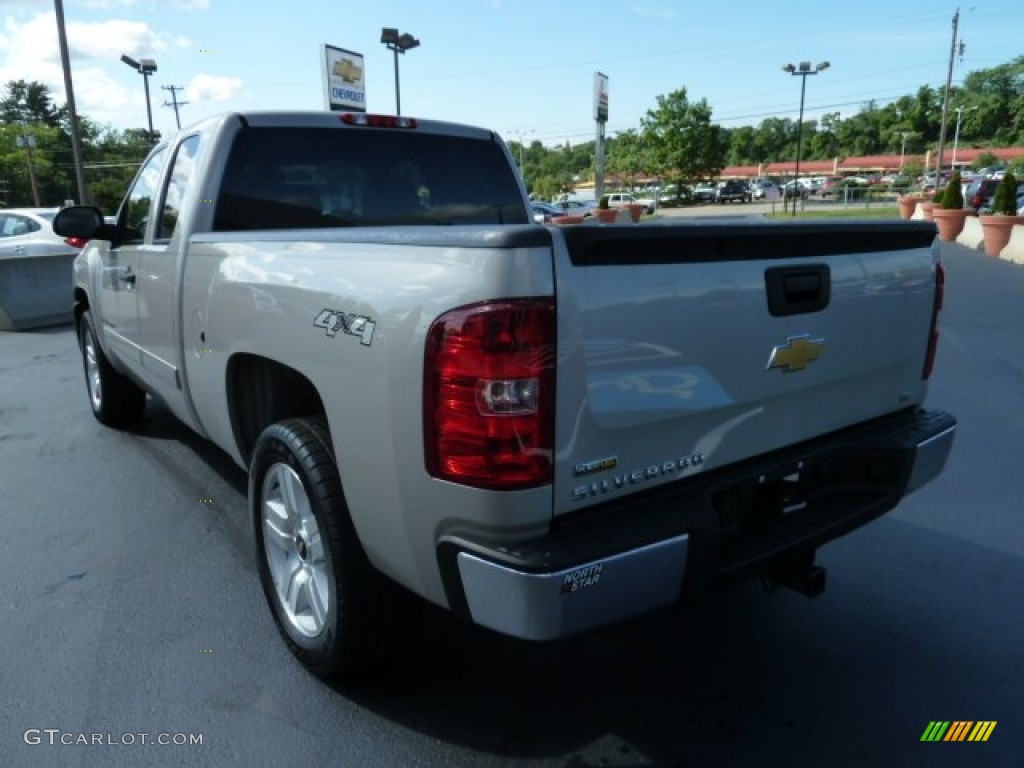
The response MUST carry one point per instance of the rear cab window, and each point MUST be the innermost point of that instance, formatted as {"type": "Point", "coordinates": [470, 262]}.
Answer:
{"type": "Point", "coordinates": [286, 178]}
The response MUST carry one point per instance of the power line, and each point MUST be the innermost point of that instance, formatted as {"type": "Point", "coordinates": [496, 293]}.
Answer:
{"type": "Point", "coordinates": [174, 99]}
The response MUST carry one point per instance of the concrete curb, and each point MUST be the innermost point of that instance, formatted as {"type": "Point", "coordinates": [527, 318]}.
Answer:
{"type": "Point", "coordinates": [36, 291]}
{"type": "Point", "coordinates": [972, 235]}
{"type": "Point", "coordinates": [1014, 250]}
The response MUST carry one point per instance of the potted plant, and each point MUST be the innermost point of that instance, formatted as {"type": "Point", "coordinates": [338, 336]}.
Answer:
{"type": "Point", "coordinates": [928, 206]}
{"type": "Point", "coordinates": [998, 226]}
{"type": "Point", "coordinates": [950, 213]}
{"type": "Point", "coordinates": [567, 219]}
{"type": "Point", "coordinates": [605, 214]}
{"type": "Point", "coordinates": [908, 204]}
{"type": "Point", "coordinates": [636, 210]}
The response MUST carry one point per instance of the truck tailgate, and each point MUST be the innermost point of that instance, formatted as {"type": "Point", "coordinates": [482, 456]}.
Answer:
{"type": "Point", "coordinates": [687, 347]}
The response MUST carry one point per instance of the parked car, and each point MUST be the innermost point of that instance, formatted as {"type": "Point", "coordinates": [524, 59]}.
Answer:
{"type": "Point", "coordinates": [622, 199]}
{"type": "Point", "coordinates": [986, 207]}
{"type": "Point", "coordinates": [577, 207]}
{"type": "Point", "coordinates": [765, 189]}
{"type": "Point", "coordinates": [28, 232]}
{"type": "Point", "coordinates": [829, 186]}
{"type": "Point", "coordinates": [542, 212]}
{"type": "Point", "coordinates": [794, 189]}
{"type": "Point", "coordinates": [733, 191]}
{"type": "Point", "coordinates": [979, 193]}
{"type": "Point", "coordinates": [704, 192]}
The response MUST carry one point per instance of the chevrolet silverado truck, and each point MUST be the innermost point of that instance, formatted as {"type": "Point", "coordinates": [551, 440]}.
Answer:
{"type": "Point", "coordinates": [542, 429]}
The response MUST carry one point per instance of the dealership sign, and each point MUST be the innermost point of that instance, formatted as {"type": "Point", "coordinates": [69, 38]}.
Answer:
{"type": "Point", "coordinates": [600, 97]}
{"type": "Point", "coordinates": [344, 80]}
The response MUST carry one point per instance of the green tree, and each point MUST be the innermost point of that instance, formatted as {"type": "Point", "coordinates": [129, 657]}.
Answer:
{"type": "Point", "coordinates": [627, 154]}
{"type": "Point", "coordinates": [684, 143]}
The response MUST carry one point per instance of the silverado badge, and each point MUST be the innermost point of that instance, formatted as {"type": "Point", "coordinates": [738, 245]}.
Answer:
{"type": "Point", "coordinates": [796, 353]}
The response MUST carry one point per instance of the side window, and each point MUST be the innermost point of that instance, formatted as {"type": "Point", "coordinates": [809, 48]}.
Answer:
{"type": "Point", "coordinates": [12, 225]}
{"type": "Point", "coordinates": [139, 202]}
{"type": "Point", "coordinates": [182, 172]}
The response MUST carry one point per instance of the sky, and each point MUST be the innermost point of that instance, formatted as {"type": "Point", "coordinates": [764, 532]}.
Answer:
{"type": "Point", "coordinates": [524, 68]}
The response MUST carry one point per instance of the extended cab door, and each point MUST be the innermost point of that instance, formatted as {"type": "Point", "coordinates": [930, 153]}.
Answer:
{"type": "Point", "coordinates": [158, 277]}
{"type": "Point", "coordinates": [119, 282]}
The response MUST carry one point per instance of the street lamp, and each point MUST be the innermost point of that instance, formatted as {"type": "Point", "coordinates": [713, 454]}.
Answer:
{"type": "Point", "coordinates": [956, 132]}
{"type": "Point", "coordinates": [144, 67]}
{"type": "Point", "coordinates": [903, 147]}
{"type": "Point", "coordinates": [399, 43]}
{"type": "Point", "coordinates": [802, 70]}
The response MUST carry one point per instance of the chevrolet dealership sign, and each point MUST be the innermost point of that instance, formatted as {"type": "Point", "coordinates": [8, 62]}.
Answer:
{"type": "Point", "coordinates": [344, 81]}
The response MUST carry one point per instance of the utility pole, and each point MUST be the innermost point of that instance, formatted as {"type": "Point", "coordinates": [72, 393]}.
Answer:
{"type": "Point", "coordinates": [945, 101]}
{"type": "Point", "coordinates": [76, 141]}
{"type": "Point", "coordinates": [174, 99]}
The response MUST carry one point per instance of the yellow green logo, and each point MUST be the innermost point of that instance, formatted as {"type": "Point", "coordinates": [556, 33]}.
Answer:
{"type": "Point", "coordinates": [959, 730]}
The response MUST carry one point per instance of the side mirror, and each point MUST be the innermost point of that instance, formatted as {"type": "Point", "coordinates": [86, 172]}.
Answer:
{"type": "Point", "coordinates": [83, 221]}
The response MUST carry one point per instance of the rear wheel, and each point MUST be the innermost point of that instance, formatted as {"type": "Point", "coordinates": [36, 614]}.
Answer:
{"type": "Point", "coordinates": [335, 612]}
{"type": "Point", "coordinates": [116, 400]}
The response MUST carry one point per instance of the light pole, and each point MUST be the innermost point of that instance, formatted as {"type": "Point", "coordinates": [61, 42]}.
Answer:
{"type": "Point", "coordinates": [29, 143]}
{"type": "Point", "coordinates": [520, 136]}
{"type": "Point", "coordinates": [956, 132]}
{"type": "Point", "coordinates": [903, 147]}
{"type": "Point", "coordinates": [399, 43]}
{"type": "Point", "coordinates": [802, 71]}
{"type": "Point", "coordinates": [144, 67]}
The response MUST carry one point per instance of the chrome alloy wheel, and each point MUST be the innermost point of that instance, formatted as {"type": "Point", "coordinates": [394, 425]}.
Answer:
{"type": "Point", "coordinates": [92, 372]}
{"type": "Point", "coordinates": [294, 551]}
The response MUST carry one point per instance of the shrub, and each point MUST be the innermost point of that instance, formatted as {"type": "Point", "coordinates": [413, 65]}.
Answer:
{"type": "Point", "coordinates": [953, 195]}
{"type": "Point", "coordinates": [1004, 203]}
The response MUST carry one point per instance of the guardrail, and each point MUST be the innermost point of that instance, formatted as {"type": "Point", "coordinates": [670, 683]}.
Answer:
{"type": "Point", "coordinates": [35, 291]}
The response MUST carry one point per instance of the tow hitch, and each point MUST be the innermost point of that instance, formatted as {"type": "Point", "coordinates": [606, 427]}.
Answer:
{"type": "Point", "coordinates": [799, 574]}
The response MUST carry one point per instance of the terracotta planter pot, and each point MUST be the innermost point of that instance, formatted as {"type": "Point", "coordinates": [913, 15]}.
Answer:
{"type": "Point", "coordinates": [606, 215]}
{"type": "Point", "coordinates": [908, 204]}
{"type": "Point", "coordinates": [950, 222]}
{"type": "Point", "coordinates": [636, 210]}
{"type": "Point", "coordinates": [563, 220]}
{"type": "Point", "coordinates": [997, 231]}
{"type": "Point", "coordinates": [927, 206]}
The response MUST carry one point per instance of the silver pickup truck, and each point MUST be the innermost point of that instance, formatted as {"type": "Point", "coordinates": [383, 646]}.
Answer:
{"type": "Point", "coordinates": [543, 429]}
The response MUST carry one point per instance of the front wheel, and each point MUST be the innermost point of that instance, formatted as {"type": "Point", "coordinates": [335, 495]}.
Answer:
{"type": "Point", "coordinates": [116, 400]}
{"type": "Point", "coordinates": [335, 612]}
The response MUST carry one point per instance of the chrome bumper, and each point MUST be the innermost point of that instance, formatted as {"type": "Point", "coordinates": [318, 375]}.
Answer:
{"type": "Point", "coordinates": [930, 458]}
{"type": "Point", "coordinates": [545, 606]}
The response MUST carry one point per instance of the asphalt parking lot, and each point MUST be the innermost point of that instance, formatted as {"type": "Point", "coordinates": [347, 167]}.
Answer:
{"type": "Point", "coordinates": [130, 605]}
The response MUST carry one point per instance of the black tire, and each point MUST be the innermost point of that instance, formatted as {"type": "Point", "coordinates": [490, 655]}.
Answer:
{"type": "Point", "coordinates": [336, 613]}
{"type": "Point", "coordinates": [116, 400]}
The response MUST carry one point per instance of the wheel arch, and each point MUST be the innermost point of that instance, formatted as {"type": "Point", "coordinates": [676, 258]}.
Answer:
{"type": "Point", "coordinates": [81, 305]}
{"type": "Point", "coordinates": [261, 392]}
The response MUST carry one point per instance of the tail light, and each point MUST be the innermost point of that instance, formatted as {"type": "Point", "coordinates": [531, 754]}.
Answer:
{"type": "Point", "coordinates": [377, 121]}
{"type": "Point", "coordinates": [489, 388]}
{"type": "Point", "coordinates": [76, 242]}
{"type": "Point", "coordinates": [933, 338]}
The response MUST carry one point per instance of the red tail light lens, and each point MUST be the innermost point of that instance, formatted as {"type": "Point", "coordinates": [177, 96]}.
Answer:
{"type": "Point", "coordinates": [489, 384]}
{"type": "Point", "coordinates": [76, 242]}
{"type": "Point", "coordinates": [377, 121]}
{"type": "Point", "coordinates": [933, 338]}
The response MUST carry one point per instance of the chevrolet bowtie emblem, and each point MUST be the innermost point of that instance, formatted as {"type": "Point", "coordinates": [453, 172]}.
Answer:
{"type": "Point", "coordinates": [796, 353]}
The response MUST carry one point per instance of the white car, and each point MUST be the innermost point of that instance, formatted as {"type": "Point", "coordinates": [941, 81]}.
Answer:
{"type": "Point", "coordinates": [28, 232]}
{"type": "Point", "coordinates": [765, 189]}
{"type": "Point", "coordinates": [620, 199]}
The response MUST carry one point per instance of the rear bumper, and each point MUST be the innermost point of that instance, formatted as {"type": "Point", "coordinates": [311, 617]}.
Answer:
{"type": "Point", "coordinates": [632, 556]}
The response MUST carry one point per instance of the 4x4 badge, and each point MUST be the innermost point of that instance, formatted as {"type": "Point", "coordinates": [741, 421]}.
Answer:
{"type": "Point", "coordinates": [796, 353]}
